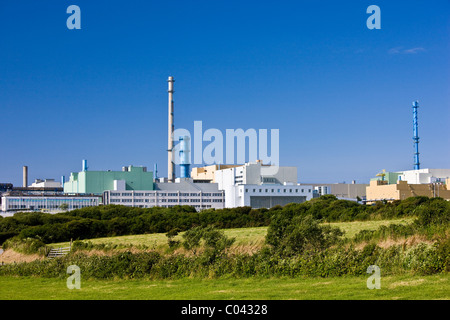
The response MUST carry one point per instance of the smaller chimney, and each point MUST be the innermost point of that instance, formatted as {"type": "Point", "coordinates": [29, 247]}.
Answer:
{"type": "Point", "coordinates": [25, 176]}
{"type": "Point", "coordinates": [84, 165]}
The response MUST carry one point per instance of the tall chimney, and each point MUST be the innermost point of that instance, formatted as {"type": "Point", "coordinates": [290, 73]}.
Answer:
{"type": "Point", "coordinates": [25, 176]}
{"type": "Point", "coordinates": [170, 163]}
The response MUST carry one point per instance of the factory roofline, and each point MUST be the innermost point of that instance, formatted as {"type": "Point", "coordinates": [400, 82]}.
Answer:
{"type": "Point", "coordinates": [186, 184]}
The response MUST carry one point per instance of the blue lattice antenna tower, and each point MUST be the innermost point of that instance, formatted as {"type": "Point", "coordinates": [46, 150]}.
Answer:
{"type": "Point", "coordinates": [415, 105]}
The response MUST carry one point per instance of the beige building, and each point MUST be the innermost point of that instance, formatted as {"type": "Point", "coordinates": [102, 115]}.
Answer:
{"type": "Point", "coordinates": [381, 190]}
{"type": "Point", "coordinates": [206, 174]}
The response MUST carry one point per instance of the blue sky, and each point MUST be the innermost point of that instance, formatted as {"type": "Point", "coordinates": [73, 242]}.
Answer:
{"type": "Point", "coordinates": [339, 93]}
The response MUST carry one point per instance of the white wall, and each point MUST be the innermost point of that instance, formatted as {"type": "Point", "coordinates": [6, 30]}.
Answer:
{"type": "Point", "coordinates": [423, 176]}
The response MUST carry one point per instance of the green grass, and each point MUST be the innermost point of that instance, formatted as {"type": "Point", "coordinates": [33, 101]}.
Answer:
{"type": "Point", "coordinates": [352, 228]}
{"type": "Point", "coordinates": [244, 236]}
{"type": "Point", "coordinates": [343, 288]}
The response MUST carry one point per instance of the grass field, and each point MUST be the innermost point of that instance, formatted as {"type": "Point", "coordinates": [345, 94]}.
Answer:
{"type": "Point", "coordinates": [342, 288]}
{"type": "Point", "coordinates": [333, 288]}
{"type": "Point", "coordinates": [244, 236]}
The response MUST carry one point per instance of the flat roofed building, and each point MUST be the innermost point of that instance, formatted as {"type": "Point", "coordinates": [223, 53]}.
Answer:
{"type": "Point", "coordinates": [47, 183]}
{"type": "Point", "coordinates": [95, 182]}
{"type": "Point", "coordinates": [206, 174]}
{"type": "Point", "coordinates": [380, 190]}
{"type": "Point", "coordinates": [183, 192]}
{"type": "Point", "coordinates": [261, 186]}
{"type": "Point", "coordinates": [50, 203]}
{"type": "Point", "coordinates": [409, 183]}
{"type": "Point", "coordinates": [266, 195]}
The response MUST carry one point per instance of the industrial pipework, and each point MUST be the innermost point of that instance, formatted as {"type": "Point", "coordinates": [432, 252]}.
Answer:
{"type": "Point", "coordinates": [184, 155]}
{"type": "Point", "coordinates": [170, 163]}
{"type": "Point", "coordinates": [415, 105]}
{"type": "Point", "coordinates": [84, 166]}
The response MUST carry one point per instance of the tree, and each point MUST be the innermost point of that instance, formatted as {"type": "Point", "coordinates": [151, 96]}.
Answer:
{"type": "Point", "coordinates": [170, 235]}
{"type": "Point", "coordinates": [214, 240]}
{"type": "Point", "coordinates": [290, 236]}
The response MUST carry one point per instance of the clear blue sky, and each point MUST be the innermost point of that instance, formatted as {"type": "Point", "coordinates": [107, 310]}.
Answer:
{"type": "Point", "coordinates": [339, 93]}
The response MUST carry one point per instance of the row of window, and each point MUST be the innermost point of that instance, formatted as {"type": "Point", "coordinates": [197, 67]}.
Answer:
{"type": "Point", "coordinates": [140, 194]}
{"type": "Point", "coordinates": [162, 200]}
{"type": "Point", "coordinates": [169, 206]}
{"type": "Point", "coordinates": [17, 206]}
{"type": "Point", "coordinates": [279, 190]}
{"type": "Point", "coordinates": [36, 200]}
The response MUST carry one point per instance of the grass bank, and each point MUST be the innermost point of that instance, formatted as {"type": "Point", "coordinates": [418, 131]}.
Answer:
{"type": "Point", "coordinates": [342, 288]}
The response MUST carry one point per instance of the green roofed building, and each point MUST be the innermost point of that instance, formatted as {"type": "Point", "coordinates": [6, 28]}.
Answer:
{"type": "Point", "coordinates": [96, 182]}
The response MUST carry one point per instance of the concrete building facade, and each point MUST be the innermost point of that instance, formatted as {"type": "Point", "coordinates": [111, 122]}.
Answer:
{"type": "Point", "coordinates": [410, 183]}
{"type": "Point", "coordinates": [47, 203]}
{"type": "Point", "coordinates": [255, 184]}
{"type": "Point", "coordinates": [168, 194]}
{"type": "Point", "coordinates": [47, 183]}
{"type": "Point", "coordinates": [379, 190]}
{"type": "Point", "coordinates": [348, 191]}
{"type": "Point", "coordinates": [265, 195]}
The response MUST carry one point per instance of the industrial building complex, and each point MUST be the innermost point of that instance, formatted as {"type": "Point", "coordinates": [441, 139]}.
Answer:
{"type": "Point", "coordinates": [214, 186]}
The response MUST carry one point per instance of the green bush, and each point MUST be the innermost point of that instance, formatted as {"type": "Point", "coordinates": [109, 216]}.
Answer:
{"type": "Point", "coordinates": [292, 235]}
{"type": "Point", "coordinates": [116, 220]}
{"type": "Point", "coordinates": [26, 246]}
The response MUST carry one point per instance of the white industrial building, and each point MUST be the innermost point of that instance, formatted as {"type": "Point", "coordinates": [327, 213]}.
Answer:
{"type": "Point", "coordinates": [265, 195]}
{"type": "Point", "coordinates": [47, 183]}
{"type": "Point", "coordinates": [168, 194]}
{"type": "Point", "coordinates": [260, 186]}
{"type": "Point", "coordinates": [424, 176]}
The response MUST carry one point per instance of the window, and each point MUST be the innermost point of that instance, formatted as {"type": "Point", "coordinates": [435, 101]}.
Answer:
{"type": "Point", "coordinates": [246, 190]}
{"type": "Point", "coordinates": [290, 190]}
{"type": "Point", "coordinates": [296, 190]}
{"type": "Point", "coordinates": [139, 194]}
{"type": "Point", "coordinates": [284, 190]}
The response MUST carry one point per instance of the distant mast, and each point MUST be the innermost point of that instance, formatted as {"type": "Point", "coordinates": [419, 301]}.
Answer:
{"type": "Point", "coordinates": [415, 105]}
